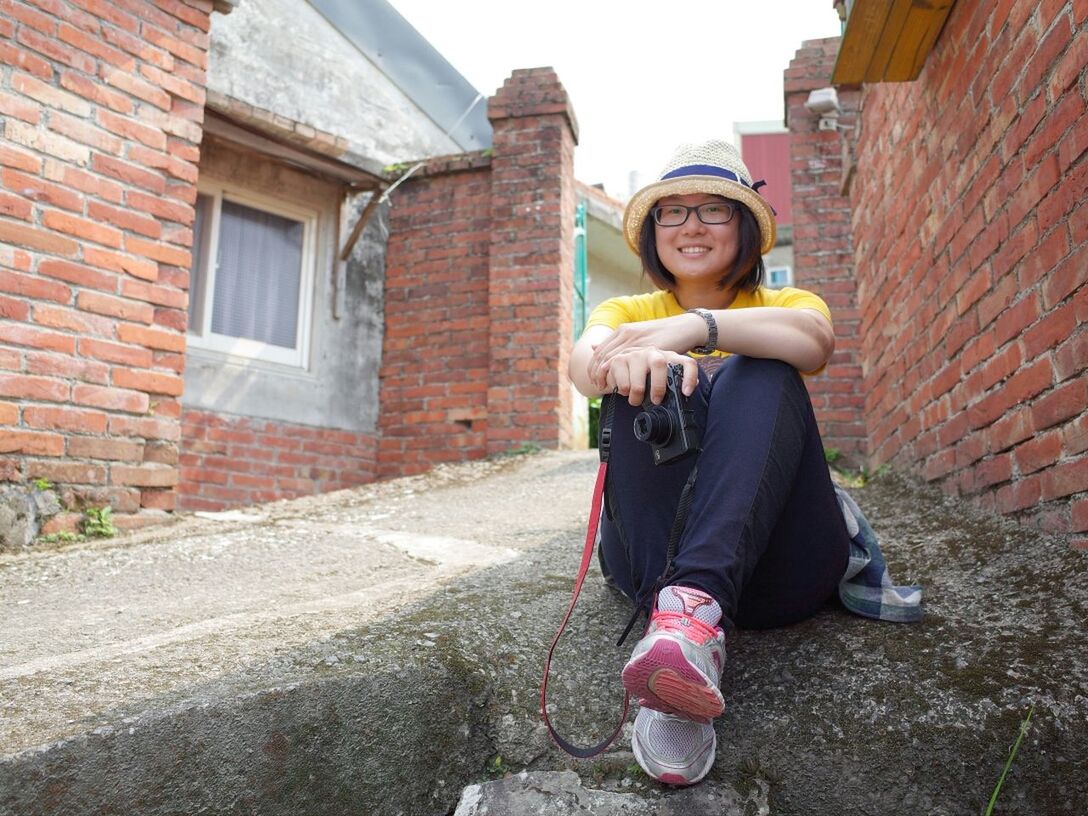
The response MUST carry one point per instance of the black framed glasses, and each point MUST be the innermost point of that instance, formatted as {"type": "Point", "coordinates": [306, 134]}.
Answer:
{"type": "Point", "coordinates": [713, 212]}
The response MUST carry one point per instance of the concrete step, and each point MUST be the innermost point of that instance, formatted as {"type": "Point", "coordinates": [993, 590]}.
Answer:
{"type": "Point", "coordinates": [375, 651]}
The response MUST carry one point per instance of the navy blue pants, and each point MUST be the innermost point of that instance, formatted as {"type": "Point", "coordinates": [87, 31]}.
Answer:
{"type": "Point", "coordinates": [764, 536]}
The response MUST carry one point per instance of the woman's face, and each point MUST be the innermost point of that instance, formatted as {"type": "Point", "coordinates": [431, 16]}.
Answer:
{"type": "Point", "coordinates": [694, 251]}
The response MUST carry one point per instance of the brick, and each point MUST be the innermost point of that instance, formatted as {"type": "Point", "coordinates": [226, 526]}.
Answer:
{"type": "Point", "coordinates": [11, 309]}
{"type": "Point", "coordinates": [121, 450]}
{"type": "Point", "coordinates": [66, 366]}
{"type": "Point", "coordinates": [83, 181]}
{"type": "Point", "coordinates": [82, 228]}
{"type": "Point", "coordinates": [25, 60]}
{"type": "Point", "coordinates": [78, 274]}
{"type": "Point", "coordinates": [20, 108]}
{"type": "Point", "coordinates": [179, 49]}
{"type": "Point", "coordinates": [163, 253]}
{"type": "Point", "coordinates": [116, 399]}
{"type": "Point", "coordinates": [1071, 357]}
{"type": "Point", "coordinates": [130, 128]}
{"type": "Point", "coordinates": [1069, 276]}
{"type": "Point", "coordinates": [55, 51]}
{"type": "Point", "coordinates": [119, 262]}
{"type": "Point", "coordinates": [115, 307]}
{"type": "Point", "coordinates": [162, 208]}
{"type": "Point", "coordinates": [1038, 453]}
{"type": "Point", "coordinates": [125, 219]}
{"type": "Point", "coordinates": [1016, 318]}
{"type": "Point", "coordinates": [151, 337]}
{"type": "Point", "coordinates": [31, 17]}
{"type": "Point", "coordinates": [95, 92]}
{"type": "Point", "coordinates": [9, 413]}
{"type": "Point", "coordinates": [115, 352]}
{"type": "Point", "coordinates": [32, 238]}
{"type": "Point", "coordinates": [38, 189]}
{"type": "Point", "coordinates": [64, 419]}
{"type": "Point", "coordinates": [173, 84]}
{"type": "Point", "coordinates": [165, 453]}
{"type": "Point", "coordinates": [1064, 402]}
{"type": "Point", "coordinates": [149, 475]}
{"type": "Point", "coordinates": [31, 443]}
{"type": "Point", "coordinates": [137, 87]}
{"type": "Point", "coordinates": [19, 159]}
{"type": "Point", "coordinates": [129, 173]}
{"type": "Point", "coordinates": [95, 45]}
{"type": "Point", "coordinates": [1065, 479]}
{"type": "Point", "coordinates": [24, 335]}
{"type": "Point", "coordinates": [79, 131]}
{"type": "Point", "coordinates": [50, 96]}
{"type": "Point", "coordinates": [15, 207]}
{"type": "Point", "coordinates": [158, 499]}
{"type": "Point", "coordinates": [1051, 329]}
{"type": "Point", "coordinates": [149, 381]}
{"type": "Point", "coordinates": [148, 427]}
{"type": "Point", "coordinates": [60, 317]}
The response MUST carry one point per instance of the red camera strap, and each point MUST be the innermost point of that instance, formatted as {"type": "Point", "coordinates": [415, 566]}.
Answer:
{"type": "Point", "coordinates": [587, 557]}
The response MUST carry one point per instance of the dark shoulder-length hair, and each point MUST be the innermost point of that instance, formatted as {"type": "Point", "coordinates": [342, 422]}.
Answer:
{"type": "Point", "coordinates": [747, 272]}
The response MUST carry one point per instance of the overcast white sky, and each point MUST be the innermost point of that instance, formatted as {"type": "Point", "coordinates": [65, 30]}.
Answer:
{"type": "Point", "coordinates": [643, 75]}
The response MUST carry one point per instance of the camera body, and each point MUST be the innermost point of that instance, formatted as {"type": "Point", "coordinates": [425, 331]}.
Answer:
{"type": "Point", "coordinates": [671, 428]}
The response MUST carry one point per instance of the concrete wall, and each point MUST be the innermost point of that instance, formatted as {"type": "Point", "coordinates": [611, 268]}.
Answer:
{"type": "Point", "coordinates": [283, 56]}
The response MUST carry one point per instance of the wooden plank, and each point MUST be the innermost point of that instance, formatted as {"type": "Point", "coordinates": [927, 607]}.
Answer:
{"type": "Point", "coordinates": [863, 30]}
{"type": "Point", "coordinates": [877, 68]}
{"type": "Point", "coordinates": [919, 33]}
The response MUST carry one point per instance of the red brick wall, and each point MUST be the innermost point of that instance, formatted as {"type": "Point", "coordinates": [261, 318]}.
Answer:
{"type": "Point", "coordinates": [971, 263]}
{"type": "Point", "coordinates": [101, 105]}
{"type": "Point", "coordinates": [435, 351]}
{"type": "Point", "coordinates": [531, 278]}
{"type": "Point", "coordinates": [822, 243]}
{"type": "Point", "coordinates": [230, 461]}
{"type": "Point", "coordinates": [479, 290]}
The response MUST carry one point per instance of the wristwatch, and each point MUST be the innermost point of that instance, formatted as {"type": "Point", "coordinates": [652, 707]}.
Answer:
{"type": "Point", "coordinates": [711, 344]}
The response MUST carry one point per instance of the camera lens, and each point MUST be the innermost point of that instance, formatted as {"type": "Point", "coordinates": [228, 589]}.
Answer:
{"type": "Point", "coordinates": [654, 425]}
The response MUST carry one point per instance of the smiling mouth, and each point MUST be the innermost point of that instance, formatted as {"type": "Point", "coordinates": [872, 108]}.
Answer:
{"type": "Point", "coordinates": [694, 250]}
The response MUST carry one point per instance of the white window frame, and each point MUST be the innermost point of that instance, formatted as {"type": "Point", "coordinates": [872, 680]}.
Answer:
{"type": "Point", "coordinates": [777, 267]}
{"type": "Point", "coordinates": [201, 336]}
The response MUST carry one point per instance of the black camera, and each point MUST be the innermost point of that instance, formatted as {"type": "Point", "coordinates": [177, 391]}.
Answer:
{"type": "Point", "coordinates": [671, 428]}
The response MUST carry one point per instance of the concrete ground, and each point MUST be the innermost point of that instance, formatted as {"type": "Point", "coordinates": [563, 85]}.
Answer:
{"type": "Point", "coordinates": [378, 651]}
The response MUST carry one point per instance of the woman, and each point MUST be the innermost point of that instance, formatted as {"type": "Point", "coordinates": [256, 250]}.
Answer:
{"type": "Point", "coordinates": [764, 543]}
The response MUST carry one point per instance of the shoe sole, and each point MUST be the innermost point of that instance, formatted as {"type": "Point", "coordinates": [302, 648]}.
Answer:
{"type": "Point", "coordinates": [662, 679]}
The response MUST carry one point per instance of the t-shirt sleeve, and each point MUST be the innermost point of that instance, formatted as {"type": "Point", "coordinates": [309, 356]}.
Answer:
{"type": "Point", "coordinates": [612, 313]}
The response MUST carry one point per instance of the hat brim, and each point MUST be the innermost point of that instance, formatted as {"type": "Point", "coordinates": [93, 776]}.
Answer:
{"type": "Point", "coordinates": [641, 203]}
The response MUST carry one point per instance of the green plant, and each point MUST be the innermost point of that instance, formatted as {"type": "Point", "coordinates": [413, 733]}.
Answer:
{"type": "Point", "coordinates": [496, 766]}
{"type": "Point", "coordinates": [41, 483]}
{"type": "Point", "coordinates": [1012, 755]}
{"type": "Point", "coordinates": [594, 420]}
{"type": "Point", "coordinates": [832, 455]}
{"type": "Point", "coordinates": [65, 536]}
{"type": "Point", "coordinates": [524, 449]}
{"type": "Point", "coordinates": [98, 522]}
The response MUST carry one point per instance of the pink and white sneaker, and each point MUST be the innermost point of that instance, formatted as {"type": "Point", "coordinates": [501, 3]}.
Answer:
{"type": "Point", "coordinates": [677, 666]}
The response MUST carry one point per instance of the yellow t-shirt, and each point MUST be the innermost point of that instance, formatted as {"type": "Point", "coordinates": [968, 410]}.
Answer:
{"type": "Point", "coordinates": [616, 311]}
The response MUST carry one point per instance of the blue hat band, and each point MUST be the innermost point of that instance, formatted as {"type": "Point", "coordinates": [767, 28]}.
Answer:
{"type": "Point", "coordinates": [704, 170]}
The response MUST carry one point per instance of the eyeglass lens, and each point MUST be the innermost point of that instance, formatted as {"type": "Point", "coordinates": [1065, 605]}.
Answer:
{"type": "Point", "coordinates": [714, 212]}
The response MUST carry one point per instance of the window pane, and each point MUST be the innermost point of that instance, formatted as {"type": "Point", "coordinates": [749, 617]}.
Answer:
{"type": "Point", "coordinates": [198, 272]}
{"type": "Point", "coordinates": [257, 280]}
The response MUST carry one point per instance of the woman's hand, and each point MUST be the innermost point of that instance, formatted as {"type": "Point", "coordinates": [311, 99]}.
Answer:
{"type": "Point", "coordinates": [624, 359]}
{"type": "Point", "coordinates": [626, 370]}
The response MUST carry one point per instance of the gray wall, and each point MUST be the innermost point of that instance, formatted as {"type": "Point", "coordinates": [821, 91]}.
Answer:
{"type": "Point", "coordinates": [339, 389]}
{"type": "Point", "coordinates": [283, 56]}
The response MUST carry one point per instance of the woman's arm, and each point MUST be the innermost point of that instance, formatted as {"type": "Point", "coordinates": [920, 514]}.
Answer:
{"type": "Point", "coordinates": [801, 337]}
{"type": "Point", "coordinates": [578, 368]}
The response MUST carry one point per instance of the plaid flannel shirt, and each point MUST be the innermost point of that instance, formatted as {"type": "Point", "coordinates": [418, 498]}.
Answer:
{"type": "Point", "coordinates": [866, 588]}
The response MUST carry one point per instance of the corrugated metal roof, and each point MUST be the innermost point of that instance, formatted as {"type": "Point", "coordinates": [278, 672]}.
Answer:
{"type": "Point", "coordinates": [413, 65]}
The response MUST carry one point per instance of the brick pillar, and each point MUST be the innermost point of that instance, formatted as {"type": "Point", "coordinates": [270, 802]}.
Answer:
{"type": "Point", "coordinates": [530, 279]}
{"type": "Point", "coordinates": [101, 106]}
{"type": "Point", "coordinates": [823, 241]}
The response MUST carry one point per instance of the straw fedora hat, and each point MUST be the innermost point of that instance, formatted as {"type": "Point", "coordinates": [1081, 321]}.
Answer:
{"type": "Point", "coordinates": [711, 167]}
